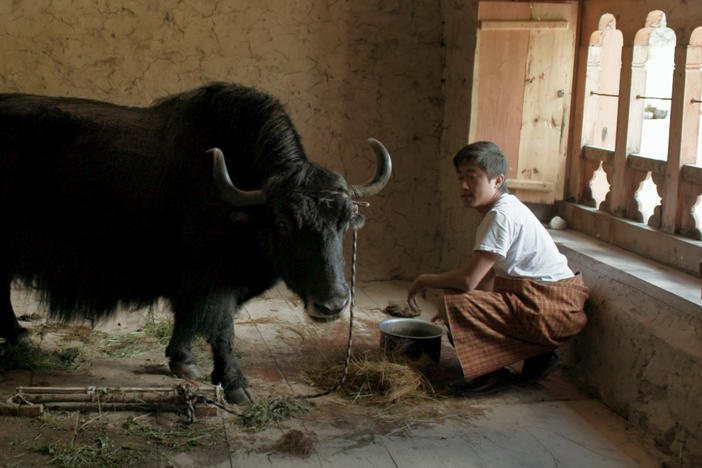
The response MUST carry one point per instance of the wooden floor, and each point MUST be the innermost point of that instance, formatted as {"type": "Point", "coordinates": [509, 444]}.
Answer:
{"type": "Point", "coordinates": [550, 424]}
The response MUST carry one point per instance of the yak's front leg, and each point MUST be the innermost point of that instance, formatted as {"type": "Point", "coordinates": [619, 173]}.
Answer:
{"type": "Point", "coordinates": [181, 359]}
{"type": "Point", "coordinates": [10, 329]}
{"type": "Point", "coordinates": [211, 317]}
{"type": "Point", "coordinates": [226, 369]}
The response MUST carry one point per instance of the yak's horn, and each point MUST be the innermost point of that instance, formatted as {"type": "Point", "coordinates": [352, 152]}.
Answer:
{"type": "Point", "coordinates": [227, 190]}
{"type": "Point", "coordinates": [382, 173]}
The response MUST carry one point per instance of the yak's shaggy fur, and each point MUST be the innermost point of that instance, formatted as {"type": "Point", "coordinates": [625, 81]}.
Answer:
{"type": "Point", "coordinates": [105, 206]}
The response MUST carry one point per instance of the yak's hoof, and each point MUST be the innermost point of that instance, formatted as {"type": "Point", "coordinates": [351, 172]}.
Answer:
{"type": "Point", "coordinates": [239, 395]}
{"type": "Point", "coordinates": [185, 370]}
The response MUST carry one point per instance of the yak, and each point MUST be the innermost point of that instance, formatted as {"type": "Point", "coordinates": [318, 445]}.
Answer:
{"type": "Point", "coordinates": [204, 198]}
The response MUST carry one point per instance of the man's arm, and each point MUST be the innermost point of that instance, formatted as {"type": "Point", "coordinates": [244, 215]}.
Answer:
{"type": "Point", "coordinates": [465, 279]}
{"type": "Point", "coordinates": [488, 281]}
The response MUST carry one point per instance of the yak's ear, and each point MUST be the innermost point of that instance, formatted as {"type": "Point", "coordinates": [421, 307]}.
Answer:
{"type": "Point", "coordinates": [240, 217]}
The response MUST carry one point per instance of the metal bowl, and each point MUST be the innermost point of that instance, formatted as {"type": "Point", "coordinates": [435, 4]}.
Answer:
{"type": "Point", "coordinates": [410, 337]}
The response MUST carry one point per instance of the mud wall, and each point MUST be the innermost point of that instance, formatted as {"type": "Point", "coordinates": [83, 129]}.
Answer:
{"type": "Point", "coordinates": [640, 354]}
{"type": "Point", "coordinates": [346, 71]}
{"type": "Point", "coordinates": [458, 223]}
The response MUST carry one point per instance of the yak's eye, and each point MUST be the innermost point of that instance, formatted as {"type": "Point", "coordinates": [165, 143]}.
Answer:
{"type": "Point", "coordinates": [329, 203]}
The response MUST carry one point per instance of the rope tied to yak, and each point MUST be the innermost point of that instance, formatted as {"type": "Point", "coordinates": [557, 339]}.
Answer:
{"type": "Point", "coordinates": [347, 360]}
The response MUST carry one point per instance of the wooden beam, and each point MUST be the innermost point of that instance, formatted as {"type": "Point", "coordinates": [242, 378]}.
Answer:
{"type": "Point", "coordinates": [642, 163]}
{"type": "Point", "coordinates": [675, 251]}
{"type": "Point", "coordinates": [595, 153]}
{"type": "Point", "coordinates": [691, 174]}
{"type": "Point", "coordinates": [532, 191]}
{"type": "Point", "coordinates": [532, 185]}
{"type": "Point", "coordinates": [515, 24]}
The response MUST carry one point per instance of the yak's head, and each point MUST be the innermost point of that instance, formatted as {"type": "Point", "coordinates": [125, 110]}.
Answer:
{"type": "Point", "coordinates": [312, 208]}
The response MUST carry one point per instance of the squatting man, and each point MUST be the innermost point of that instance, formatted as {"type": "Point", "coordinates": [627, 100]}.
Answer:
{"type": "Point", "coordinates": [516, 299]}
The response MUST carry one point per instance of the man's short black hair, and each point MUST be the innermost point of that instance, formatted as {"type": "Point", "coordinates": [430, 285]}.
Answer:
{"type": "Point", "coordinates": [486, 155]}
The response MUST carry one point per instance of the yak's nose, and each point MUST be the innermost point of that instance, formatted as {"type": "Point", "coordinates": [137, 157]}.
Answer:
{"type": "Point", "coordinates": [332, 307]}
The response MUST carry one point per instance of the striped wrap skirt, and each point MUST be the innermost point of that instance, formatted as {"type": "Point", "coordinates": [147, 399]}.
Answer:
{"type": "Point", "coordinates": [518, 319]}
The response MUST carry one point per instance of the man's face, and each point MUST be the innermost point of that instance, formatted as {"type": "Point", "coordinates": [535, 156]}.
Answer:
{"type": "Point", "coordinates": [475, 189]}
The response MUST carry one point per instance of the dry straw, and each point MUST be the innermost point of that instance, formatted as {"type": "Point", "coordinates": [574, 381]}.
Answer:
{"type": "Point", "coordinates": [375, 378]}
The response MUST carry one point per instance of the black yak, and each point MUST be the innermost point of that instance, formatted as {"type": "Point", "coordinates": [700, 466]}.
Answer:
{"type": "Point", "coordinates": [205, 198]}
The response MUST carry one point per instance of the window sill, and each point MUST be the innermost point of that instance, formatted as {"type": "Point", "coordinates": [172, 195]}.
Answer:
{"type": "Point", "coordinates": [641, 351]}
{"type": "Point", "coordinates": [677, 252]}
{"type": "Point", "coordinates": [680, 291]}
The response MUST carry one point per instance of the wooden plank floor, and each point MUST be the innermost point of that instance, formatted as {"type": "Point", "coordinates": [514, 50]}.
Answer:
{"type": "Point", "coordinates": [550, 424]}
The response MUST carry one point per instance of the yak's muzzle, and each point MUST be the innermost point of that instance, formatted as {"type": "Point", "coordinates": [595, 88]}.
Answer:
{"type": "Point", "coordinates": [329, 310]}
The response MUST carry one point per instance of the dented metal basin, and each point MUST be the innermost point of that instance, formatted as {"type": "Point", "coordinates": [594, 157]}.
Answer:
{"type": "Point", "coordinates": [410, 337]}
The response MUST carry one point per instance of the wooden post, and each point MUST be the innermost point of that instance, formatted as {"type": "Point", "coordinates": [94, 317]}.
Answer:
{"type": "Point", "coordinates": [683, 222]}
{"type": "Point", "coordinates": [689, 189]}
{"type": "Point", "coordinates": [575, 162]}
{"type": "Point", "coordinates": [597, 105]}
{"type": "Point", "coordinates": [631, 113]}
{"type": "Point", "coordinates": [589, 112]}
{"type": "Point", "coordinates": [615, 202]}
{"type": "Point", "coordinates": [670, 212]}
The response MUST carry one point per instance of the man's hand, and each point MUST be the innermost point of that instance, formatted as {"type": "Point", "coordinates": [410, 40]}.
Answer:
{"type": "Point", "coordinates": [417, 287]}
{"type": "Point", "coordinates": [462, 280]}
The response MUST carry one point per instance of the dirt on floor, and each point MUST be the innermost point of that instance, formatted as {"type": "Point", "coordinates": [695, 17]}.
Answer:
{"type": "Point", "coordinates": [279, 357]}
{"type": "Point", "coordinates": [386, 414]}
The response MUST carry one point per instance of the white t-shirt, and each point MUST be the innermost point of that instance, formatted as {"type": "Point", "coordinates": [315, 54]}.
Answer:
{"type": "Point", "coordinates": [525, 248]}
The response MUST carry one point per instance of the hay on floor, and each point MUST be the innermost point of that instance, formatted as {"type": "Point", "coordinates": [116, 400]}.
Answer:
{"type": "Point", "coordinates": [270, 411]}
{"type": "Point", "coordinates": [373, 378]}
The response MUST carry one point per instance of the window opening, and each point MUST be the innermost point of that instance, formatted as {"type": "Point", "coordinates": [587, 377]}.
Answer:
{"type": "Point", "coordinates": [697, 216]}
{"type": "Point", "coordinates": [693, 83]}
{"type": "Point", "coordinates": [602, 84]}
{"type": "Point", "coordinates": [599, 185]}
{"type": "Point", "coordinates": [647, 197]}
{"type": "Point", "coordinates": [651, 87]}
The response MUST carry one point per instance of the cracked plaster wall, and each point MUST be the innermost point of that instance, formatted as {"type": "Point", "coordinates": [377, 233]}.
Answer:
{"type": "Point", "coordinates": [457, 223]}
{"type": "Point", "coordinates": [345, 71]}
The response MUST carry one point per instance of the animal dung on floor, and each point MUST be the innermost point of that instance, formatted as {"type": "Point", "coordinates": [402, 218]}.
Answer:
{"type": "Point", "coordinates": [397, 310]}
{"type": "Point", "coordinates": [196, 400]}
{"type": "Point", "coordinates": [296, 442]}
